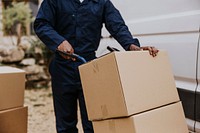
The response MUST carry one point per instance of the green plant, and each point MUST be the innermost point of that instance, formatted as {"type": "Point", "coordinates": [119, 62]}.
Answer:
{"type": "Point", "coordinates": [42, 55]}
{"type": "Point", "coordinates": [38, 50]}
{"type": "Point", "coordinates": [16, 17]}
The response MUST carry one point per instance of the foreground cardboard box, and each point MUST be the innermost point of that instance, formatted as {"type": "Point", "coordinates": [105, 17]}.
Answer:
{"type": "Point", "coordinates": [14, 120]}
{"type": "Point", "coordinates": [167, 119]}
{"type": "Point", "coordinates": [12, 85]}
{"type": "Point", "coordinates": [125, 83]}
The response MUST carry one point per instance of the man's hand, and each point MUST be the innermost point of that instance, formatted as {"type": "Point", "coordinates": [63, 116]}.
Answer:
{"type": "Point", "coordinates": [65, 46]}
{"type": "Point", "coordinates": [152, 50]}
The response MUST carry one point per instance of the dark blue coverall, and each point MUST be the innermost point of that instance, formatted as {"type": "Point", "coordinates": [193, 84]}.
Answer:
{"type": "Point", "coordinates": [80, 24]}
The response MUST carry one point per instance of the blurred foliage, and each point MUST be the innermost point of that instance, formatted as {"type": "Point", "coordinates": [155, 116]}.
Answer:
{"type": "Point", "coordinates": [19, 13]}
{"type": "Point", "coordinates": [42, 55]}
{"type": "Point", "coordinates": [38, 50]}
{"type": "Point", "coordinates": [16, 13]}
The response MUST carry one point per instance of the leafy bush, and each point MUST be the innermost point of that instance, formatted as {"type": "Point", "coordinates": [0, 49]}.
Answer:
{"type": "Point", "coordinates": [38, 50]}
{"type": "Point", "coordinates": [15, 19]}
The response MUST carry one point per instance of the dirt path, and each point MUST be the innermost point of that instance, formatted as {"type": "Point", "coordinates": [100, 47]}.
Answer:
{"type": "Point", "coordinates": [40, 111]}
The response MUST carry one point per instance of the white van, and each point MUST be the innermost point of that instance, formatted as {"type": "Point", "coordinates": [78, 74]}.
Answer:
{"type": "Point", "coordinates": [172, 25]}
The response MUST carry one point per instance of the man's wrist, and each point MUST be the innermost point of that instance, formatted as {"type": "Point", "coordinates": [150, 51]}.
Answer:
{"type": "Point", "coordinates": [133, 47]}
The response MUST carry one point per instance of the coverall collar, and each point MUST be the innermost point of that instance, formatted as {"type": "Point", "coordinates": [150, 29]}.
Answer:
{"type": "Point", "coordinates": [86, 1]}
{"type": "Point", "coordinates": [95, 0]}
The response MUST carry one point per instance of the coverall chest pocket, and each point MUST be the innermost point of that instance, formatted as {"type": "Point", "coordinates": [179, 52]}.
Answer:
{"type": "Point", "coordinates": [92, 15]}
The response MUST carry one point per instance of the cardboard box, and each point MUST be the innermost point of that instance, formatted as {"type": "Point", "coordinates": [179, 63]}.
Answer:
{"type": "Point", "coordinates": [12, 85]}
{"type": "Point", "coordinates": [125, 83]}
{"type": "Point", "coordinates": [14, 120]}
{"type": "Point", "coordinates": [167, 119]}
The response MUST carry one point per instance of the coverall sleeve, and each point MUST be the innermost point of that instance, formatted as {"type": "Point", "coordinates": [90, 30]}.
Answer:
{"type": "Point", "coordinates": [116, 26]}
{"type": "Point", "coordinates": [44, 25]}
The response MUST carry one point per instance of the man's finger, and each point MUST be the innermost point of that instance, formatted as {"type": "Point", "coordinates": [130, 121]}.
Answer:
{"type": "Point", "coordinates": [155, 51]}
{"type": "Point", "coordinates": [67, 57]}
{"type": "Point", "coordinates": [149, 49]}
{"type": "Point", "coordinates": [74, 59]}
{"type": "Point", "coordinates": [152, 50]}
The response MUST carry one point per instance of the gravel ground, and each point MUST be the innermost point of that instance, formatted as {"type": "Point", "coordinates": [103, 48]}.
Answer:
{"type": "Point", "coordinates": [40, 111]}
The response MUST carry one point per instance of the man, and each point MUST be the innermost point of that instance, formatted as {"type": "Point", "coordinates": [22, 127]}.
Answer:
{"type": "Point", "coordinates": [75, 27]}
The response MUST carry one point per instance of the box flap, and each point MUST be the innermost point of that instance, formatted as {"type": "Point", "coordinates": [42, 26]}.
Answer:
{"type": "Point", "coordinates": [8, 69]}
{"type": "Point", "coordinates": [14, 120]}
{"type": "Point", "coordinates": [147, 82]}
{"type": "Point", "coordinates": [108, 95]}
{"type": "Point", "coordinates": [167, 119]}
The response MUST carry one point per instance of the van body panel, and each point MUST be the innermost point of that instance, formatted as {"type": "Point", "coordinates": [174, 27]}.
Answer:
{"type": "Point", "coordinates": [198, 89]}
{"type": "Point", "coordinates": [139, 9]}
{"type": "Point", "coordinates": [172, 25]}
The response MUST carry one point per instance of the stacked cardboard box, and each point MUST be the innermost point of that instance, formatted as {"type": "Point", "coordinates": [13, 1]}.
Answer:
{"type": "Point", "coordinates": [13, 115]}
{"type": "Point", "coordinates": [132, 92]}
